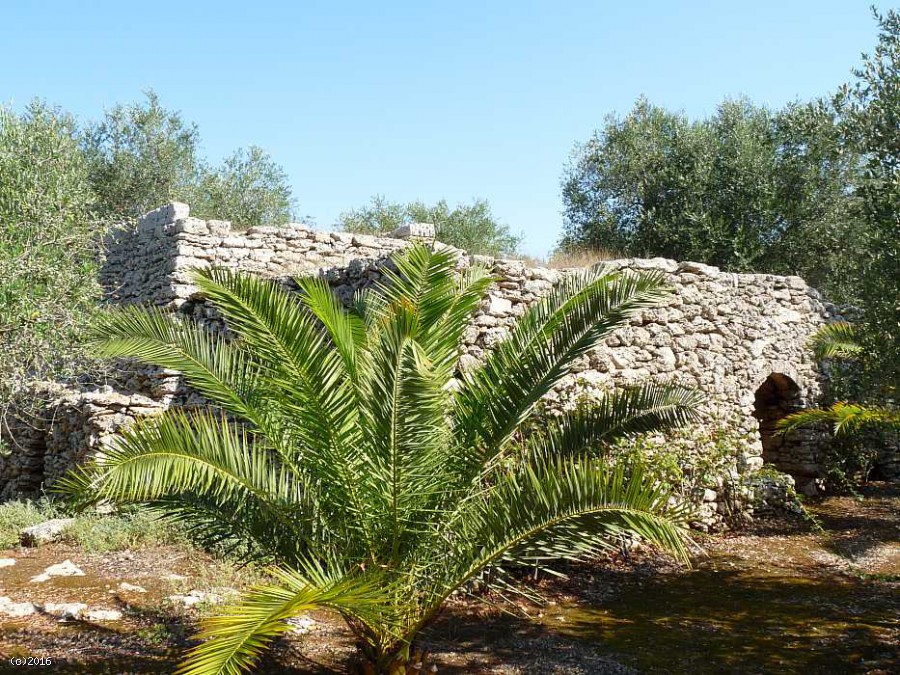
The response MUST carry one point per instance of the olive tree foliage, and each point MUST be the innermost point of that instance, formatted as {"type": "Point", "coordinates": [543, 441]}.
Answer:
{"type": "Point", "coordinates": [48, 246]}
{"type": "Point", "coordinates": [747, 189]}
{"type": "Point", "coordinates": [871, 109]}
{"type": "Point", "coordinates": [142, 155]}
{"type": "Point", "coordinates": [62, 184]}
{"type": "Point", "coordinates": [249, 188]}
{"type": "Point", "coordinates": [471, 227]}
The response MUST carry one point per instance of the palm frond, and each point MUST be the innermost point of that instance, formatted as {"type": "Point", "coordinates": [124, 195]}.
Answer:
{"type": "Point", "coordinates": [235, 638]}
{"type": "Point", "coordinates": [836, 340]}
{"type": "Point", "coordinates": [580, 311]}
{"type": "Point", "coordinates": [200, 456]}
{"type": "Point", "coordinates": [618, 414]}
{"type": "Point", "coordinates": [310, 384]}
{"type": "Point", "coordinates": [209, 364]}
{"type": "Point", "coordinates": [843, 417]}
{"type": "Point", "coordinates": [561, 508]}
{"type": "Point", "coordinates": [346, 329]}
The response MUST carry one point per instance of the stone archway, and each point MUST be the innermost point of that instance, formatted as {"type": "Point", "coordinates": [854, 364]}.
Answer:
{"type": "Point", "coordinates": [778, 396]}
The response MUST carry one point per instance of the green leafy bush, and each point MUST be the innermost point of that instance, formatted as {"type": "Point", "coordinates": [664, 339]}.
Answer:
{"type": "Point", "coordinates": [49, 246]}
{"type": "Point", "coordinates": [471, 227]}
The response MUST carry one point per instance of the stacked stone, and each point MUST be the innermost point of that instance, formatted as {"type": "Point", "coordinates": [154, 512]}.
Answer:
{"type": "Point", "coordinates": [722, 333]}
{"type": "Point", "coordinates": [152, 263]}
{"type": "Point", "coordinates": [71, 426]}
{"type": "Point", "coordinates": [24, 435]}
{"type": "Point", "coordinates": [85, 423]}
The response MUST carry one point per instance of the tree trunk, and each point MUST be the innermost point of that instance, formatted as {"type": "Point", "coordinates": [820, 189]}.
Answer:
{"type": "Point", "coordinates": [398, 664]}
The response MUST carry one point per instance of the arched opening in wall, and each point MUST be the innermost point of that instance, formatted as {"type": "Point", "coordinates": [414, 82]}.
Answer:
{"type": "Point", "coordinates": [777, 397]}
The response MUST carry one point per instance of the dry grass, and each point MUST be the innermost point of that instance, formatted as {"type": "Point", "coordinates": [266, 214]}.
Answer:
{"type": "Point", "coordinates": [561, 259]}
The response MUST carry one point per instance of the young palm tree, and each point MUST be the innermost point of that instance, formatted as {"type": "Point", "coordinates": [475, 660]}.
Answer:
{"type": "Point", "coordinates": [839, 341]}
{"type": "Point", "coordinates": [344, 448]}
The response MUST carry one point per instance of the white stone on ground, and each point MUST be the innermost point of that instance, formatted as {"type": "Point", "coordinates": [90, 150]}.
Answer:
{"type": "Point", "coordinates": [7, 562]}
{"type": "Point", "coordinates": [64, 610]}
{"type": "Point", "coordinates": [97, 614]}
{"type": "Point", "coordinates": [45, 532]}
{"type": "Point", "coordinates": [195, 597]}
{"type": "Point", "coordinates": [302, 625]}
{"type": "Point", "coordinates": [173, 577]}
{"type": "Point", "coordinates": [131, 588]}
{"type": "Point", "coordinates": [15, 609]}
{"type": "Point", "coordinates": [64, 569]}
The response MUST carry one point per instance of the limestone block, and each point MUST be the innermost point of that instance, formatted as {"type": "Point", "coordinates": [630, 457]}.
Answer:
{"type": "Point", "coordinates": [45, 532]}
{"type": "Point", "coordinates": [219, 227]}
{"type": "Point", "coordinates": [499, 306]}
{"type": "Point", "coordinates": [414, 230]}
{"type": "Point", "coordinates": [262, 230]}
{"type": "Point", "coordinates": [191, 226]}
{"type": "Point", "coordinates": [698, 269]}
{"type": "Point", "coordinates": [364, 240]}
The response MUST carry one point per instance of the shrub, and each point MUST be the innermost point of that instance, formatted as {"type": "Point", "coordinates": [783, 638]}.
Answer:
{"type": "Point", "coordinates": [343, 448]}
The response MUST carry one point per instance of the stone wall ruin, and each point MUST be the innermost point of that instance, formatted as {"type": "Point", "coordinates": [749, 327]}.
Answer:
{"type": "Point", "coordinates": [740, 338]}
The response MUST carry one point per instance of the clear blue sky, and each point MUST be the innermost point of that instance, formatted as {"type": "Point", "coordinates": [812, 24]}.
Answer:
{"type": "Point", "coordinates": [424, 100]}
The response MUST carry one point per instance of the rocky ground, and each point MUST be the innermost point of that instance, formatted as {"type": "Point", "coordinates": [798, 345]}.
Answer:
{"type": "Point", "coordinates": [783, 597]}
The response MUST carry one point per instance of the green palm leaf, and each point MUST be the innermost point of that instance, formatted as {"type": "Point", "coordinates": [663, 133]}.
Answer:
{"type": "Point", "coordinates": [497, 397]}
{"type": "Point", "coordinates": [341, 446]}
{"type": "Point", "coordinates": [843, 417]}
{"type": "Point", "coordinates": [235, 638]}
{"type": "Point", "coordinates": [836, 340]}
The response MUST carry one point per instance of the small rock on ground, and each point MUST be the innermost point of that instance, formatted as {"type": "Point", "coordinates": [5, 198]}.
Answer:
{"type": "Point", "coordinates": [302, 625]}
{"type": "Point", "coordinates": [130, 588]}
{"type": "Point", "coordinates": [45, 532]}
{"type": "Point", "coordinates": [16, 609]}
{"type": "Point", "coordinates": [64, 610]}
{"type": "Point", "coordinates": [98, 614]}
{"type": "Point", "coordinates": [7, 562]}
{"type": "Point", "coordinates": [64, 569]}
{"type": "Point", "coordinates": [195, 598]}
{"type": "Point", "coordinates": [173, 577]}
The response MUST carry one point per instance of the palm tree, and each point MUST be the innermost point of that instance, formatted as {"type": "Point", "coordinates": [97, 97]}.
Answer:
{"type": "Point", "coordinates": [345, 450]}
{"type": "Point", "coordinates": [839, 341]}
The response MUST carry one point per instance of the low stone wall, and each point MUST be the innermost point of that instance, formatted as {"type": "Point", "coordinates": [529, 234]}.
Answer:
{"type": "Point", "coordinates": [151, 263]}
{"type": "Point", "coordinates": [726, 334]}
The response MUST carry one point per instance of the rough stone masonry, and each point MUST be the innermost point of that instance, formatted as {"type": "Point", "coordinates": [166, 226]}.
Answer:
{"type": "Point", "coordinates": [742, 339]}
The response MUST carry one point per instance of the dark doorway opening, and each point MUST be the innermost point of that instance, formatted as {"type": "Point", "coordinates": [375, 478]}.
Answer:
{"type": "Point", "coordinates": [777, 397]}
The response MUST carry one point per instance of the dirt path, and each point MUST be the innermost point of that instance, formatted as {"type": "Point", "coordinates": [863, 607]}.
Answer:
{"type": "Point", "coordinates": [781, 598]}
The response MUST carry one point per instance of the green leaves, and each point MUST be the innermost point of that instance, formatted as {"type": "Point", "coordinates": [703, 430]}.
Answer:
{"type": "Point", "coordinates": [844, 418]}
{"type": "Point", "coordinates": [563, 507]}
{"type": "Point", "coordinates": [48, 245]}
{"type": "Point", "coordinates": [619, 414]}
{"type": "Point", "coordinates": [142, 155]}
{"type": "Point", "coordinates": [471, 227]}
{"type": "Point", "coordinates": [836, 340]}
{"type": "Point", "coordinates": [580, 311]}
{"type": "Point", "coordinates": [745, 188]}
{"type": "Point", "coordinates": [235, 638]}
{"type": "Point", "coordinates": [343, 447]}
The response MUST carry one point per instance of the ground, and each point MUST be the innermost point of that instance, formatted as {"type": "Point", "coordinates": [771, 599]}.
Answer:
{"type": "Point", "coordinates": [780, 597]}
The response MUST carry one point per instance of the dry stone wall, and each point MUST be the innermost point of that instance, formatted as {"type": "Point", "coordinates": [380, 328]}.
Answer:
{"type": "Point", "coordinates": [727, 334]}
